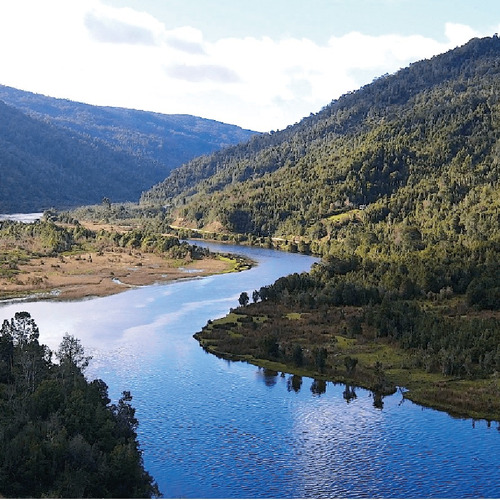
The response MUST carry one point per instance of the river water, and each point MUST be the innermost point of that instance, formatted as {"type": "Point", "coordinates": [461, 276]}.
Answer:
{"type": "Point", "coordinates": [216, 429]}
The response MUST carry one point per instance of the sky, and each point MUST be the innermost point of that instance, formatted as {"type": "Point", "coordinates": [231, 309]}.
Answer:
{"type": "Point", "coordinates": [259, 64]}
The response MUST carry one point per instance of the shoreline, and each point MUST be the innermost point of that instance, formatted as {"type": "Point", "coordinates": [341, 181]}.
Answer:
{"type": "Point", "coordinates": [410, 391]}
{"type": "Point", "coordinates": [91, 274]}
{"type": "Point", "coordinates": [381, 368]}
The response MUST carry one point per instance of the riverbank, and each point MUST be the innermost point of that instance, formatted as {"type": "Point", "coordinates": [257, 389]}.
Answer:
{"type": "Point", "coordinates": [91, 274]}
{"type": "Point", "coordinates": [272, 337]}
{"type": "Point", "coordinates": [72, 261]}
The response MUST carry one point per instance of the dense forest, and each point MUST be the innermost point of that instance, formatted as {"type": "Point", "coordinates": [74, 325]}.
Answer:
{"type": "Point", "coordinates": [42, 166]}
{"type": "Point", "coordinates": [170, 140]}
{"type": "Point", "coordinates": [415, 147]}
{"type": "Point", "coordinates": [397, 187]}
{"type": "Point", "coordinates": [61, 437]}
{"type": "Point", "coordinates": [402, 175]}
{"type": "Point", "coordinates": [56, 153]}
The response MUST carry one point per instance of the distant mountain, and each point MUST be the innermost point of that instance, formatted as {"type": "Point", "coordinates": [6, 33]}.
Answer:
{"type": "Point", "coordinates": [43, 166]}
{"type": "Point", "coordinates": [169, 139]}
{"type": "Point", "coordinates": [116, 152]}
{"type": "Point", "coordinates": [418, 147]}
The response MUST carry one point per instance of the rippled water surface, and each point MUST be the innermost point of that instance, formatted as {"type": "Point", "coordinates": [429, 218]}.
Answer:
{"type": "Point", "coordinates": [210, 428]}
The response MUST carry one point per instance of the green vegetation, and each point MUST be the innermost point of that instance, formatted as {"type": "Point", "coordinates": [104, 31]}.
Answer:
{"type": "Point", "coordinates": [397, 187]}
{"type": "Point", "coordinates": [59, 256]}
{"type": "Point", "coordinates": [443, 362]}
{"type": "Point", "coordinates": [60, 435]}
{"type": "Point", "coordinates": [238, 264]}
{"type": "Point", "coordinates": [44, 166]}
{"type": "Point", "coordinates": [20, 241]}
{"type": "Point", "coordinates": [416, 150]}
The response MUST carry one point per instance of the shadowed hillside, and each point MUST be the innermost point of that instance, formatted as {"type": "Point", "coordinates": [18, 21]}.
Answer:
{"type": "Point", "coordinates": [43, 166]}
{"type": "Point", "coordinates": [62, 153]}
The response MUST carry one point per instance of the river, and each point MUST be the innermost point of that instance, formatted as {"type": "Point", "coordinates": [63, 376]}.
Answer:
{"type": "Point", "coordinates": [216, 429]}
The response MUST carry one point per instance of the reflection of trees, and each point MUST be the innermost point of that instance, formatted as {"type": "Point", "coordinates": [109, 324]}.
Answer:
{"type": "Point", "coordinates": [269, 377]}
{"type": "Point", "coordinates": [349, 393]}
{"type": "Point", "coordinates": [378, 400]}
{"type": "Point", "coordinates": [294, 383]}
{"type": "Point", "coordinates": [318, 387]}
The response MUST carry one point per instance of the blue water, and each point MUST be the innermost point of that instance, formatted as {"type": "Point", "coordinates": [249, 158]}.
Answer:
{"type": "Point", "coordinates": [215, 429]}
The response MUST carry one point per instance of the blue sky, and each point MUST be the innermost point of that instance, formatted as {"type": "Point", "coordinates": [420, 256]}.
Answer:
{"type": "Point", "coordinates": [260, 64]}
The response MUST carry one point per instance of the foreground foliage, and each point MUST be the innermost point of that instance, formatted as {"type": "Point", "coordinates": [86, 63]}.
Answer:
{"type": "Point", "coordinates": [60, 436]}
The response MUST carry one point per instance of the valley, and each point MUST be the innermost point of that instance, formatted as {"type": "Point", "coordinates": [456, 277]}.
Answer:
{"type": "Point", "coordinates": [375, 227]}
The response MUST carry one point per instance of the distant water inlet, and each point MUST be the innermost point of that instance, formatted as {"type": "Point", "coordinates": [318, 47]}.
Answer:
{"type": "Point", "coordinates": [22, 217]}
{"type": "Point", "coordinates": [211, 428]}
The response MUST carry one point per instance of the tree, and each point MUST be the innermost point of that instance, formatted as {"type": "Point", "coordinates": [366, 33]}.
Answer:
{"type": "Point", "coordinates": [106, 202]}
{"type": "Point", "coordinates": [298, 355]}
{"type": "Point", "coordinates": [6, 354]}
{"type": "Point", "coordinates": [71, 354]}
{"type": "Point", "coordinates": [320, 356]}
{"type": "Point", "coordinates": [21, 335]}
{"type": "Point", "coordinates": [22, 328]}
{"type": "Point", "coordinates": [350, 364]}
{"type": "Point", "coordinates": [60, 437]}
{"type": "Point", "coordinates": [125, 415]}
{"type": "Point", "coordinates": [244, 299]}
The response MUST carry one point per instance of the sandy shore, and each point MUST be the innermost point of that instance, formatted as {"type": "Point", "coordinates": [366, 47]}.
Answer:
{"type": "Point", "coordinates": [92, 274]}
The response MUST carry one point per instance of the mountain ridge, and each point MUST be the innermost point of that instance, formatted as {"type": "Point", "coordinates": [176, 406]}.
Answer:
{"type": "Point", "coordinates": [148, 144]}
{"type": "Point", "coordinates": [359, 150]}
{"type": "Point", "coordinates": [116, 126]}
{"type": "Point", "coordinates": [44, 166]}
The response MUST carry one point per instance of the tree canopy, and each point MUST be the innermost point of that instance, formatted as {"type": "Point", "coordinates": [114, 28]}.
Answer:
{"type": "Point", "coordinates": [61, 436]}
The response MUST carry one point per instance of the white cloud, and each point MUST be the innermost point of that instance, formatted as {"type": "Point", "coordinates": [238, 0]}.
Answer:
{"type": "Point", "coordinates": [109, 30]}
{"type": "Point", "coordinates": [202, 73]}
{"type": "Point", "coordinates": [186, 39]}
{"type": "Point", "coordinates": [458, 34]}
{"type": "Point", "coordinates": [86, 51]}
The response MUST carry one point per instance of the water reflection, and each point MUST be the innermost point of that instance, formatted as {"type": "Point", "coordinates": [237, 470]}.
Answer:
{"type": "Point", "coordinates": [318, 387]}
{"type": "Point", "coordinates": [268, 376]}
{"type": "Point", "coordinates": [378, 400]}
{"type": "Point", "coordinates": [28, 218]}
{"type": "Point", "coordinates": [349, 393]}
{"type": "Point", "coordinates": [294, 383]}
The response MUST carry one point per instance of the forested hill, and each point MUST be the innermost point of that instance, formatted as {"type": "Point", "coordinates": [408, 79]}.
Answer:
{"type": "Point", "coordinates": [43, 166]}
{"type": "Point", "coordinates": [418, 148]}
{"type": "Point", "coordinates": [397, 186]}
{"type": "Point", "coordinates": [165, 138]}
{"type": "Point", "coordinates": [58, 153]}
